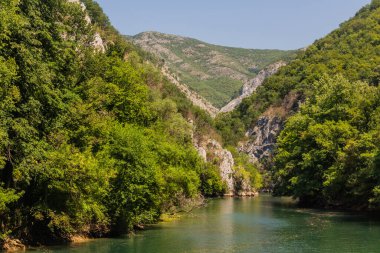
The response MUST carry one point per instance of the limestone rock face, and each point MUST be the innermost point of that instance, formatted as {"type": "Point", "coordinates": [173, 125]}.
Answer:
{"type": "Point", "coordinates": [263, 135]}
{"type": "Point", "coordinates": [98, 43]}
{"type": "Point", "coordinates": [226, 164]}
{"type": "Point", "coordinates": [212, 151]}
{"type": "Point", "coordinates": [262, 138]}
{"type": "Point", "coordinates": [247, 190]}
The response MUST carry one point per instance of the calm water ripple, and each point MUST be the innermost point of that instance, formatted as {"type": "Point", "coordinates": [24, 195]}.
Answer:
{"type": "Point", "coordinates": [262, 224]}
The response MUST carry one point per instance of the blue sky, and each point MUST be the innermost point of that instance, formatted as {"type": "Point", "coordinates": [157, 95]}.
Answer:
{"type": "Point", "coordinates": [280, 24]}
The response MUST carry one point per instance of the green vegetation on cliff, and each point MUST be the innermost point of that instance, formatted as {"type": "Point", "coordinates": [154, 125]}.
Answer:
{"type": "Point", "coordinates": [352, 50]}
{"type": "Point", "coordinates": [328, 152]}
{"type": "Point", "coordinates": [215, 72]}
{"type": "Point", "coordinates": [91, 142]}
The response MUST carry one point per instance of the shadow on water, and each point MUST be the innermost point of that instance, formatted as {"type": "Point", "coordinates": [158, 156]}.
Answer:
{"type": "Point", "coordinates": [289, 204]}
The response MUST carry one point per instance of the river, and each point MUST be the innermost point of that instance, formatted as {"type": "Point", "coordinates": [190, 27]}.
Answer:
{"type": "Point", "coordinates": [262, 224]}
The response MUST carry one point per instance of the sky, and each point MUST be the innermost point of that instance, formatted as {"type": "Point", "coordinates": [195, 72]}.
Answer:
{"type": "Point", "coordinates": [262, 24]}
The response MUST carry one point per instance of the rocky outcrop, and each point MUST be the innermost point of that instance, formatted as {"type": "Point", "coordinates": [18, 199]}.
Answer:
{"type": "Point", "coordinates": [195, 98]}
{"type": "Point", "coordinates": [251, 86]}
{"type": "Point", "coordinates": [213, 152]}
{"type": "Point", "coordinates": [97, 42]}
{"type": "Point", "coordinates": [246, 190]}
{"type": "Point", "coordinates": [13, 245]}
{"type": "Point", "coordinates": [262, 138]}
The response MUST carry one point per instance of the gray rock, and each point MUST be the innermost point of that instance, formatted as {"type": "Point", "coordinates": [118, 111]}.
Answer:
{"type": "Point", "coordinates": [262, 138]}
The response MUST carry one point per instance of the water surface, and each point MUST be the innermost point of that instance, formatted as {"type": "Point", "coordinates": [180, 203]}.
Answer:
{"type": "Point", "coordinates": [262, 224]}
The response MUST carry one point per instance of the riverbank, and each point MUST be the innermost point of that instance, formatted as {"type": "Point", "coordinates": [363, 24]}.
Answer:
{"type": "Point", "coordinates": [16, 245]}
{"type": "Point", "coordinates": [244, 225]}
{"type": "Point", "coordinates": [171, 215]}
{"type": "Point", "coordinates": [11, 244]}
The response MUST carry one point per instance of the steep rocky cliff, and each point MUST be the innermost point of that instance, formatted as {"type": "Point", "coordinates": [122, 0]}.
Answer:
{"type": "Point", "coordinates": [212, 151]}
{"type": "Point", "coordinates": [261, 137]}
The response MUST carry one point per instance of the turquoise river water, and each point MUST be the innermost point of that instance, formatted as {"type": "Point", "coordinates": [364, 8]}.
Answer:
{"type": "Point", "coordinates": [262, 224]}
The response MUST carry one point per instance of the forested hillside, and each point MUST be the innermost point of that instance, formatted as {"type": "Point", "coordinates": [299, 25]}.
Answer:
{"type": "Point", "coordinates": [216, 73]}
{"type": "Point", "coordinates": [93, 139]}
{"type": "Point", "coordinates": [328, 152]}
{"type": "Point", "coordinates": [351, 50]}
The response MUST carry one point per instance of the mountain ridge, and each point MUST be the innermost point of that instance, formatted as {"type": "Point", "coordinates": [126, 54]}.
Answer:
{"type": "Point", "coordinates": [128, 36]}
{"type": "Point", "coordinates": [215, 72]}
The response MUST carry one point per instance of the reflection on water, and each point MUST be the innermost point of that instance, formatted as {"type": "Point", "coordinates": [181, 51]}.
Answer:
{"type": "Point", "coordinates": [262, 224]}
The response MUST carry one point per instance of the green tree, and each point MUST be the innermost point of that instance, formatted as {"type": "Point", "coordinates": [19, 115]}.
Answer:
{"type": "Point", "coordinates": [326, 151]}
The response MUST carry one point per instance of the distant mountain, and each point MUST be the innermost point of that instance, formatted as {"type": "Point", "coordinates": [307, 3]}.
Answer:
{"type": "Point", "coordinates": [216, 73]}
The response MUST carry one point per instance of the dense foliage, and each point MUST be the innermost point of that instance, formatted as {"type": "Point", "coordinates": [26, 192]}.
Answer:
{"type": "Point", "coordinates": [245, 171]}
{"type": "Point", "coordinates": [353, 50]}
{"type": "Point", "coordinates": [328, 152]}
{"type": "Point", "coordinates": [90, 142]}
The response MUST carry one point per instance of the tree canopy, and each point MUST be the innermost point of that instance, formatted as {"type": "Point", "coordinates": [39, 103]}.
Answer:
{"type": "Point", "coordinates": [91, 142]}
{"type": "Point", "coordinates": [327, 154]}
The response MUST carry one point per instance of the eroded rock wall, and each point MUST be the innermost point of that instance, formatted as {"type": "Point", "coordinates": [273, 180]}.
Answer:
{"type": "Point", "coordinates": [262, 136]}
{"type": "Point", "coordinates": [212, 151]}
